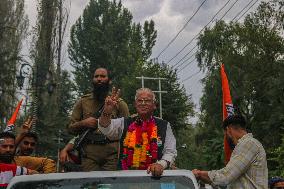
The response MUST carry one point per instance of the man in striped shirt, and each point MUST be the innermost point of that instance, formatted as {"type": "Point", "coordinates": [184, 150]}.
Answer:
{"type": "Point", "coordinates": [247, 167]}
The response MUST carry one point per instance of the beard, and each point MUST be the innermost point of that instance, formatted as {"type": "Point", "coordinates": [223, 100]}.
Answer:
{"type": "Point", "coordinates": [231, 143]}
{"type": "Point", "coordinates": [27, 152]}
{"type": "Point", "coordinates": [6, 158]}
{"type": "Point", "coordinates": [101, 90]}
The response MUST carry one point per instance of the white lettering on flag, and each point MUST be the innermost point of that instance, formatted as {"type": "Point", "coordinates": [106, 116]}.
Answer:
{"type": "Point", "coordinates": [229, 109]}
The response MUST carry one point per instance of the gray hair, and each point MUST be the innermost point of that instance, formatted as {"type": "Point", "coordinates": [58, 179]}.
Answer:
{"type": "Point", "coordinates": [138, 91]}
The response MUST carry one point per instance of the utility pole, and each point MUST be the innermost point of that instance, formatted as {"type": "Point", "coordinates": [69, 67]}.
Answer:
{"type": "Point", "coordinates": [59, 139]}
{"type": "Point", "coordinates": [159, 91]}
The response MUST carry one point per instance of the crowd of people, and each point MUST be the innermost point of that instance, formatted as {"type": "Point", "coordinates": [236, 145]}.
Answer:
{"type": "Point", "coordinates": [107, 137]}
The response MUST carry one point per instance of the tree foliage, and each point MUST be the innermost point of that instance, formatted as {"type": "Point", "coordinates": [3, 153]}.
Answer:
{"type": "Point", "coordinates": [13, 27]}
{"type": "Point", "coordinates": [253, 56]}
{"type": "Point", "coordinates": [51, 86]}
{"type": "Point", "coordinates": [177, 106]}
{"type": "Point", "coordinates": [105, 36]}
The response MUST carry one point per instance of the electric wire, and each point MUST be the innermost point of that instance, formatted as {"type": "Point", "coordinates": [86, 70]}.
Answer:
{"type": "Point", "coordinates": [189, 77]}
{"type": "Point", "coordinates": [167, 46]}
{"type": "Point", "coordinates": [247, 10]}
{"type": "Point", "coordinates": [242, 10]}
{"type": "Point", "coordinates": [184, 57]}
{"type": "Point", "coordinates": [186, 60]}
{"type": "Point", "coordinates": [229, 10]}
{"type": "Point", "coordinates": [186, 66]}
{"type": "Point", "coordinates": [199, 32]}
{"type": "Point", "coordinates": [221, 18]}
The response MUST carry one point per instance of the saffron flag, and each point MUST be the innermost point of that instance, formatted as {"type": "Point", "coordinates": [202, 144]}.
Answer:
{"type": "Point", "coordinates": [10, 126]}
{"type": "Point", "coordinates": [228, 109]}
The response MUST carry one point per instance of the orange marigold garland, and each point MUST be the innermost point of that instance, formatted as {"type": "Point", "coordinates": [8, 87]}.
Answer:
{"type": "Point", "coordinates": [140, 145]}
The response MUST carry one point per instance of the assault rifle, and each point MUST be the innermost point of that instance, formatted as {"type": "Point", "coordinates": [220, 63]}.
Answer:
{"type": "Point", "coordinates": [82, 137]}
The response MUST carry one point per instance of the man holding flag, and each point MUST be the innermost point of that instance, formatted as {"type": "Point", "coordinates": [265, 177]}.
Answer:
{"type": "Point", "coordinates": [246, 165]}
{"type": "Point", "coordinates": [37, 164]}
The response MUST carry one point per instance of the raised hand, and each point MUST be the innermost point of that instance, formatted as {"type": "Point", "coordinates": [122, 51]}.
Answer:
{"type": "Point", "coordinates": [111, 101]}
{"type": "Point", "coordinates": [27, 124]}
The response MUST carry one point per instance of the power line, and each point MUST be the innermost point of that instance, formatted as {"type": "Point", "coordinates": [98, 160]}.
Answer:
{"type": "Point", "coordinates": [228, 10]}
{"type": "Point", "coordinates": [181, 29]}
{"type": "Point", "coordinates": [247, 10]}
{"type": "Point", "coordinates": [221, 18]}
{"type": "Point", "coordinates": [210, 22]}
{"type": "Point", "coordinates": [191, 76]}
{"type": "Point", "coordinates": [242, 10]}
{"type": "Point", "coordinates": [186, 60]}
{"type": "Point", "coordinates": [199, 32]}
{"type": "Point", "coordinates": [184, 57]}
{"type": "Point", "coordinates": [186, 65]}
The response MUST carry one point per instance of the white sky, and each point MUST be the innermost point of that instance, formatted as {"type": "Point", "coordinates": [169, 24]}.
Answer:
{"type": "Point", "coordinates": [169, 17]}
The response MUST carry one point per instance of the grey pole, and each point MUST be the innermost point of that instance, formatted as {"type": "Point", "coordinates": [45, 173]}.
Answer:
{"type": "Point", "coordinates": [159, 91]}
{"type": "Point", "coordinates": [160, 99]}
{"type": "Point", "coordinates": [142, 80]}
{"type": "Point", "coordinates": [58, 150]}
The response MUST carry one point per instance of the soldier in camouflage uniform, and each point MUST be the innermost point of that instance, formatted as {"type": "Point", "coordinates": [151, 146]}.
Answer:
{"type": "Point", "coordinates": [100, 153]}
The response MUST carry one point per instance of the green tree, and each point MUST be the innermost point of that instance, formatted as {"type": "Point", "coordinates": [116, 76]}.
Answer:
{"type": "Point", "coordinates": [13, 27]}
{"type": "Point", "coordinates": [56, 119]}
{"type": "Point", "coordinates": [51, 85]}
{"type": "Point", "coordinates": [189, 157]}
{"type": "Point", "coordinates": [177, 106]}
{"type": "Point", "coordinates": [253, 56]}
{"type": "Point", "coordinates": [105, 36]}
{"type": "Point", "coordinates": [276, 159]}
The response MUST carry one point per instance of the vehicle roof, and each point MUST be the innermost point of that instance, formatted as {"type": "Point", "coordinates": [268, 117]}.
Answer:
{"type": "Point", "coordinates": [97, 174]}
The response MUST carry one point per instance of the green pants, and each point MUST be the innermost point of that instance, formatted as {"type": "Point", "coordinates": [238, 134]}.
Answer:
{"type": "Point", "coordinates": [100, 157]}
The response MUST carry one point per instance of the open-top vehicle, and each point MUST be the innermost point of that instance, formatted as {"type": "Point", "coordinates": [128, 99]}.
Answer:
{"type": "Point", "coordinates": [132, 179]}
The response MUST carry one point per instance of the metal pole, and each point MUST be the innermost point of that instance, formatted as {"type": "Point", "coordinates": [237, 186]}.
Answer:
{"type": "Point", "coordinates": [159, 91]}
{"type": "Point", "coordinates": [58, 150]}
{"type": "Point", "coordinates": [160, 99]}
{"type": "Point", "coordinates": [142, 80]}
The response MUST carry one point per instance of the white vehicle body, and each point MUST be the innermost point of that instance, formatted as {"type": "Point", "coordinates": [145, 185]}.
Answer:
{"type": "Point", "coordinates": [132, 179]}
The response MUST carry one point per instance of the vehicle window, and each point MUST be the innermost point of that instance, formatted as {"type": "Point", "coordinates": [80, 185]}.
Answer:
{"type": "Point", "coordinates": [165, 182]}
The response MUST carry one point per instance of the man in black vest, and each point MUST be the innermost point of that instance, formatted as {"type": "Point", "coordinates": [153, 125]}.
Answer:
{"type": "Point", "coordinates": [147, 142]}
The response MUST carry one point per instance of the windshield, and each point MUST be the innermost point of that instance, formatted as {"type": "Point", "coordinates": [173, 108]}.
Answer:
{"type": "Point", "coordinates": [165, 182]}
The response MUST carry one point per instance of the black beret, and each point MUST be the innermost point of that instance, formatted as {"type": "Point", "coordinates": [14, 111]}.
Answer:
{"type": "Point", "coordinates": [235, 120]}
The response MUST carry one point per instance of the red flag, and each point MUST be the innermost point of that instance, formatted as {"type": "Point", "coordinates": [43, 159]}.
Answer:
{"type": "Point", "coordinates": [228, 109]}
{"type": "Point", "coordinates": [11, 122]}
